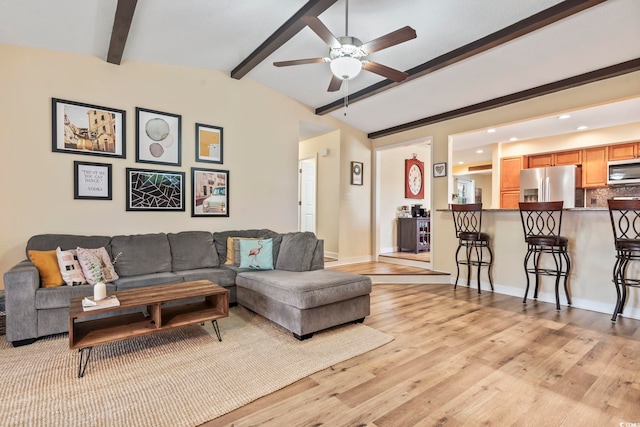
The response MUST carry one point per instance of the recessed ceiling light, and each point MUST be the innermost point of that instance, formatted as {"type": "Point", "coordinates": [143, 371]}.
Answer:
{"type": "Point", "coordinates": [491, 130]}
{"type": "Point", "coordinates": [564, 116]}
{"type": "Point", "coordinates": [513, 139]}
{"type": "Point", "coordinates": [582, 127]}
{"type": "Point", "coordinates": [479, 151]}
{"type": "Point", "coordinates": [461, 162]}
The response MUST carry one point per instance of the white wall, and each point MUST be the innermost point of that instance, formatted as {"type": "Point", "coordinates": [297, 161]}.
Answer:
{"type": "Point", "coordinates": [261, 130]}
{"type": "Point", "coordinates": [391, 190]}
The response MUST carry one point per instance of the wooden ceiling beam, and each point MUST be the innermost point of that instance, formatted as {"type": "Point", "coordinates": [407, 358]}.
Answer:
{"type": "Point", "coordinates": [120, 31]}
{"type": "Point", "coordinates": [579, 80]}
{"type": "Point", "coordinates": [281, 36]}
{"type": "Point", "coordinates": [520, 28]}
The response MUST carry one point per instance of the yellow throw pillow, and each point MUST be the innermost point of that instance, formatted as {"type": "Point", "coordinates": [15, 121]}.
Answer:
{"type": "Point", "coordinates": [230, 256]}
{"type": "Point", "coordinates": [47, 264]}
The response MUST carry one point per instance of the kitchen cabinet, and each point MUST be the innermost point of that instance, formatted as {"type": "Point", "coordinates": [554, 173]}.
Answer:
{"type": "Point", "coordinates": [594, 167]}
{"type": "Point", "coordinates": [561, 158]}
{"type": "Point", "coordinates": [510, 168]}
{"type": "Point", "coordinates": [509, 199]}
{"type": "Point", "coordinates": [414, 234]}
{"type": "Point", "coordinates": [623, 151]}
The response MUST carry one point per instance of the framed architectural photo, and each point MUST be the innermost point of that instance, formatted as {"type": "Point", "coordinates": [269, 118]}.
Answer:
{"type": "Point", "coordinates": [79, 128]}
{"type": "Point", "coordinates": [208, 143]}
{"type": "Point", "coordinates": [158, 137]}
{"type": "Point", "coordinates": [440, 169]}
{"type": "Point", "coordinates": [210, 192]}
{"type": "Point", "coordinates": [91, 181]}
{"type": "Point", "coordinates": [153, 190]}
{"type": "Point", "coordinates": [357, 170]}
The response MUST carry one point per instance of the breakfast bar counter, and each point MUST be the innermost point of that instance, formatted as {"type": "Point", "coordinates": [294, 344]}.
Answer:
{"type": "Point", "coordinates": [591, 249]}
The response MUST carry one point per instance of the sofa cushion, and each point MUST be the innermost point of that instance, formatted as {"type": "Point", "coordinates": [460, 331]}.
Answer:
{"type": "Point", "coordinates": [191, 250]}
{"type": "Point", "coordinates": [141, 254]}
{"type": "Point", "coordinates": [96, 265]}
{"type": "Point", "coordinates": [70, 267]}
{"type": "Point", "coordinates": [49, 242]}
{"type": "Point", "coordinates": [305, 289]}
{"type": "Point", "coordinates": [61, 297]}
{"type": "Point", "coordinates": [47, 264]}
{"type": "Point", "coordinates": [220, 276]}
{"type": "Point", "coordinates": [256, 254]}
{"type": "Point", "coordinates": [147, 280]}
{"type": "Point", "coordinates": [220, 239]}
{"type": "Point", "coordinates": [296, 251]}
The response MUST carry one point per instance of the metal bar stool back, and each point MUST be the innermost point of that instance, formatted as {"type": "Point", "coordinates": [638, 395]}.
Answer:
{"type": "Point", "coordinates": [467, 219]}
{"type": "Point", "coordinates": [625, 223]}
{"type": "Point", "coordinates": [541, 222]}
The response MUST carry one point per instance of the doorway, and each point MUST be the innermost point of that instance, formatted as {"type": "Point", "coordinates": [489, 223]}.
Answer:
{"type": "Point", "coordinates": [307, 194]}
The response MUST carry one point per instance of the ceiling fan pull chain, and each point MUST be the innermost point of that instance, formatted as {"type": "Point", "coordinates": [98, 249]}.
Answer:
{"type": "Point", "coordinates": [346, 96]}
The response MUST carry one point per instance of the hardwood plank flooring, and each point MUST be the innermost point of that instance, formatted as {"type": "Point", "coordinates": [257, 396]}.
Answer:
{"type": "Point", "coordinates": [420, 256]}
{"type": "Point", "coordinates": [373, 268]}
{"type": "Point", "coordinates": [460, 359]}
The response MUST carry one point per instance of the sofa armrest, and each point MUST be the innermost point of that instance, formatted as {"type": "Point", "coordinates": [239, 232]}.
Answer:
{"type": "Point", "coordinates": [317, 263]}
{"type": "Point", "coordinates": [20, 285]}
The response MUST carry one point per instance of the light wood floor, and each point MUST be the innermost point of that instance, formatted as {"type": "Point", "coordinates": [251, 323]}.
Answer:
{"type": "Point", "coordinates": [376, 268]}
{"type": "Point", "coordinates": [459, 358]}
{"type": "Point", "coordinates": [420, 256]}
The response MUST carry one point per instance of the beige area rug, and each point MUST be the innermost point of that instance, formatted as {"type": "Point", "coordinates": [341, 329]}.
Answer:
{"type": "Point", "coordinates": [182, 377]}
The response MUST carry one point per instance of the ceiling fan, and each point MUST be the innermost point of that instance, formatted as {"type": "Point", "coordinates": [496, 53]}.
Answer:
{"type": "Point", "coordinates": [347, 54]}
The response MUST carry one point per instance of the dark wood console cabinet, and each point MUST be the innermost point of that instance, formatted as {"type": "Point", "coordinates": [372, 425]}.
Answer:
{"type": "Point", "coordinates": [414, 234]}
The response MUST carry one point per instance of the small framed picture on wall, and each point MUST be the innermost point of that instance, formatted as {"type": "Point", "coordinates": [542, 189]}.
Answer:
{"type": "Point", "coordinates": [91, 181]}
{"type": "Point", "coordinates": [357, 169]}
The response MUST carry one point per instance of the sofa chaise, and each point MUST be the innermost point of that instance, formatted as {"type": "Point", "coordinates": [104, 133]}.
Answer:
{"type": "Point", "coordinates": [298, 293]}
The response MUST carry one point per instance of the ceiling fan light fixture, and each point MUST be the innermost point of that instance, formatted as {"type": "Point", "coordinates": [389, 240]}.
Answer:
{"type": "Point", "coordinates": [345, 67]}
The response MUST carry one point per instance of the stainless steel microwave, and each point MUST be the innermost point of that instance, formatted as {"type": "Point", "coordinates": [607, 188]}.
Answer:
{"type": "Point", "coordinates": [623, 172]}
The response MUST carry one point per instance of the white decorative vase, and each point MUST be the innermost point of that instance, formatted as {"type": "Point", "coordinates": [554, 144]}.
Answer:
{"type": "Point", "coordinates": [99, 291]}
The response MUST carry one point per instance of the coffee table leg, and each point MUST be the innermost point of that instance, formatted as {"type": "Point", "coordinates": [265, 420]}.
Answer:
{"type": "Point", "coordinates": [82, 365]}
{"type": "Point", "coordinates": [217, 329]}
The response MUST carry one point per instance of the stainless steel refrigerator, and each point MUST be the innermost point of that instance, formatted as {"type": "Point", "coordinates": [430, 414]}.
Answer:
{"type": "Point", "coordinates": [552, 184]}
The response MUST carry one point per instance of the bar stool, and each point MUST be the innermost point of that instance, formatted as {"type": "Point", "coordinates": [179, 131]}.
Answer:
{"type": "Point", "coordinates": [467, 219]}
{"type": "Point", "coordinates": [625, 222]}
{"type": "Point", "coordinates": [541, 222]}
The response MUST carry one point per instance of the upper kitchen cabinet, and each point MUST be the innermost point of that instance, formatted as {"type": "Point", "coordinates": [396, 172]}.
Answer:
{"type": "Point", "coordinates": [510, 168]}
{"type": "Point", "coordinates": [594, 167]}
{"type": "Point", "coordinates": [562, 158]}
{"type": "Point", "coordinates": [624, 151]}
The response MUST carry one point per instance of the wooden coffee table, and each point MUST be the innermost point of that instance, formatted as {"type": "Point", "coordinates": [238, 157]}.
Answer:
{"type": "Point", "coordinates": [154, 316]}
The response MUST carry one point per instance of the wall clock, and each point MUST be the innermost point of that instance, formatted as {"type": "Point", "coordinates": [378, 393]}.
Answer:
{"type": "Point", "coordinates": [413, 179]}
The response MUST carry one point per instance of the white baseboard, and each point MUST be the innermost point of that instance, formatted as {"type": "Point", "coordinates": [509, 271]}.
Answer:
{"type": "Point", "coordinates": [406, 262]}
{"type": "Point", "coordinates": [597, 306]}
{"type": "Point", "coordinates": [388, 250]}
{"type": "Point", "coordinates": [333, 255]}
{"type": "Point", "coordinates": [345, 261]}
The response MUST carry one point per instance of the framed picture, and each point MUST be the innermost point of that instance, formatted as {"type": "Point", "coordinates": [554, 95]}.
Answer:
{"type": "Point", "coordinates": [79, 128]}
{"type": "Point", "coordinates": [440, 169]}
{"type": "Point", "coordinates": [357, 170]}
{"type": "Point", "coordinates": [158, 137]}
{"type": "Point", "coordinates": [208, 143]}
{"type": "Point", "coordinates": [152, 190]}
{"type": "Point", "coordinates": [91, 181]}
{"type": "Point", "coordinates": [210, 192]}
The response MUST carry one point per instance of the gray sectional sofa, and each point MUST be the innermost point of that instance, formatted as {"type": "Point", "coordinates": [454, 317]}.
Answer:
{"type": "Point", "coordinates": [298, 294]}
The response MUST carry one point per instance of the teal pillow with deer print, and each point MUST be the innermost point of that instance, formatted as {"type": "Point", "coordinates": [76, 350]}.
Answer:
{"type": "Point", "coordinates": [256, 254]}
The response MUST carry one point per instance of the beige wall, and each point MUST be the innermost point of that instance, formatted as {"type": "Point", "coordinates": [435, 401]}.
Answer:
{"type": "Point", "coordinates": [327, 226]}
{"type": "Point", "coordinates": [260, 150]}
{"type": "Point", "coordinates": [392, 182]}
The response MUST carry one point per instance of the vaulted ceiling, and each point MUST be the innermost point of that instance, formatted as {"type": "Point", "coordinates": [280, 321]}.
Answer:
{"type": "Point", "coordinates": [468, 55]}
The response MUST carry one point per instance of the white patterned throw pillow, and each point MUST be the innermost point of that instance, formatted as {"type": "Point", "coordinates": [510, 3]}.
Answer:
{"type": "Point", "coordinates": [96, 265]}
{"type": "Point", "coordinates": [70, 267]}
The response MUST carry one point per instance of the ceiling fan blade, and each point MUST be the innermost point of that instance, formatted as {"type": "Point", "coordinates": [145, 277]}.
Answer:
{"type": "Point", "coordinates": [299, 62]}
{"type": "Point", "coordinates": [396, 37]}
{"type": "Point", "coordinates": [322, 31]}
{"type": "Point", "coordinates": [384, 71]}
{"type": "Point", "coordinates": [335, 84]}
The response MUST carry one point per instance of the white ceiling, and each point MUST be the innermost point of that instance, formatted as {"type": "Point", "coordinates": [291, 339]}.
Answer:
{"type": "Point", "coordinates": [219, 34]}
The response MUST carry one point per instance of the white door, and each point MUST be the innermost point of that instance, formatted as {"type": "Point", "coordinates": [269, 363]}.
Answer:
{"type": "Point", "coordinates": [307, 203]}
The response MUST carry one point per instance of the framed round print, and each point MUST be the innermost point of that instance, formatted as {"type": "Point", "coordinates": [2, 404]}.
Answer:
{"type": "Point", "coordinates": [413, 179]}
